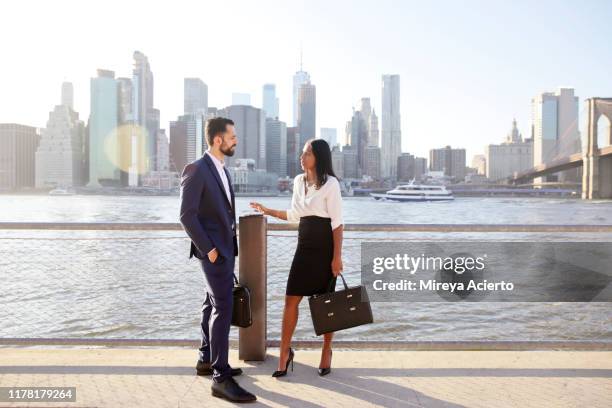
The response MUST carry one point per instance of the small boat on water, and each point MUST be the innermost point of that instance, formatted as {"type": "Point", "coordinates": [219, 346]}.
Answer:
{"type": "Point", "coordinates": [416, 192]}
{"type": "Point", "coordinates": [61, 191]}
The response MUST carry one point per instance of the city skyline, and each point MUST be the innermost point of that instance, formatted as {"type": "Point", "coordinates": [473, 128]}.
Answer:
{"type": "Point", "coordinates": [195, 103]}
{"type": "Point", "coordinates": [456, 80]}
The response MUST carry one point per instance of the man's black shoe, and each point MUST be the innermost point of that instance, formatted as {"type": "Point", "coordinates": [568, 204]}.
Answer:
{"type": "Point", "coordinates": [203, 368]}
{"type": "Point", "coordinates": [231, 391]}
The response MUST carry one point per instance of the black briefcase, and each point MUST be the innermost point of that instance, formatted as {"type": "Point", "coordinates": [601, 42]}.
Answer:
{"type": "Point", "coordinates": [241, 310]}
{"type": "Point", "coordinates": [333, 311]}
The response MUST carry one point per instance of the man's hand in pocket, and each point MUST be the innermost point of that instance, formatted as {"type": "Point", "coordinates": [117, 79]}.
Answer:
{"type": "Point", "coordinates": [212, 255]}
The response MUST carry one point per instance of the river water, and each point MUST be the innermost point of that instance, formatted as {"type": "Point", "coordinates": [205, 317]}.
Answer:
{"type": "Point", "coordinates": [131, 284]}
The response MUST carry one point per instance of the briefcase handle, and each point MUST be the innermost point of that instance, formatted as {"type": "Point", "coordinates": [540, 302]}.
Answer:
{"type": "Point", "coordinates": [331, 282]}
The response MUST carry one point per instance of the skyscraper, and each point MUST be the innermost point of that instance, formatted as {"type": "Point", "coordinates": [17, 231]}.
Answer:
{"type": "Point", "coordinates": [163, 151]}
{"type": "Point", "coordinates": [186, 140]}
{"type": "Point", "coordinates": [307, 112]}
{"type": "Point", "coordinates": [127, 130]}
{"type": "Point", "coordinates": [405, 167]}
{"type": "Point", "coordinates": [514, 135]}
{"type": "Point", "coordinates": [276, 147]}
{"type": "Point", "coordinates": [18, 145]}
{"type": "Point", "coordinates": [153, 123]}
{"type": "Point", "coordinates": [145, 116]}
{"type": "Point", "coordinates": [372, 167]}
{"type": "Point", "coordinates": [293, 151]}
{"type": "Point", "coordinates": [125, 100]}
{"type": "Point", "coordinates": [359, 140]}
{"type": "Point", "coordinates": [349, 162]}
{"type": "Point", "coordinates": [391, 144]}
{"type": "Point", "coordinates": [420, 167]}
{"type": "Point", "coordinates": [250, 124]}
{"type": "Point", "coordinates": [365, 107]}
{"type": "Point", "coordinates": [195, 94]}
{"type": "Point", "coordinates": [545, 117]}
{"type": "Point", "coordinates": [555, 129]}
{"type": "Point", "coordinates": [337, 161]}
{"type": "Point", "coordinates": [410, 167]}
{"type": "Point", "coordinates": [300, 78]}
{"type": "Point", "coordinates": [103, 144]}
{"type": "Point", "coordinates": [514, 155]}
{"type": "Point", "coordinates": [373, 139]}
{"type": "Point", "coordinates": [142, 79]}
{"type": "Point", "coordinates": [270, 101]}
{"type": "Point", "coordinates": [60, 155]}
{"type": "Point", "coordinates": [448, 160]}
{"type": "Point", "coordinates": [177, 149]}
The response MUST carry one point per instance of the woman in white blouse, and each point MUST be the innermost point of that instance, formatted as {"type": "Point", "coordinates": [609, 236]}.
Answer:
{"type": "Point", "coordinates": [317, 206]}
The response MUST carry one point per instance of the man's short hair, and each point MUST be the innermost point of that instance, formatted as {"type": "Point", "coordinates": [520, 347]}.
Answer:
{"type": "Point", "coordinates": [215, 127]}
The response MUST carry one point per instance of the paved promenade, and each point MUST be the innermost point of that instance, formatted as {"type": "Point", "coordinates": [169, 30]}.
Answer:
{"type": "Point", "coordinates": [165, 377]}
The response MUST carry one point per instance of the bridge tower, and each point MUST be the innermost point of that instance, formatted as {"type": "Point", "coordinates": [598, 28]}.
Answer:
{"type": "Point", "coordinates": [596, 171]}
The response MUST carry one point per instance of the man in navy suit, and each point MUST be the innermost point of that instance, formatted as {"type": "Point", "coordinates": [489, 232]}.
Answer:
{"type": "Point", "coordinates": [208, 216]}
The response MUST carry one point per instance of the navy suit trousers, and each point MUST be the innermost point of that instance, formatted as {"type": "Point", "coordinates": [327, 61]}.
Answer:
{"type": "Point", "coordinates": [217, 314]}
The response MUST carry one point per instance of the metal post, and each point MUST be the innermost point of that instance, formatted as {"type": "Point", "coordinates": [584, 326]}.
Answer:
{"type": "Point", "coordinates": [252, 260]}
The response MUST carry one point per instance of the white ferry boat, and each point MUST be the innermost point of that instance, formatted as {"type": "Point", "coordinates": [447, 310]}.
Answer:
{"type": "Point", "coordinates": [416, 192]}
{"type": "Point", "coordinates": [59, 191]}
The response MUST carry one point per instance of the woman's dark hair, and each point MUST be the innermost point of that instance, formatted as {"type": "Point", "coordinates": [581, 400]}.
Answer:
{"type": "Point", "coordinates": [323, 160]}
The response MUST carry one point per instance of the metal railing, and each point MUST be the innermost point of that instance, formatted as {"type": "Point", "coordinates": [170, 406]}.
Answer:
{"type": "Point", "coordinates": [119, 283]}
{"type": "Point", "coordinates": [170, 226]}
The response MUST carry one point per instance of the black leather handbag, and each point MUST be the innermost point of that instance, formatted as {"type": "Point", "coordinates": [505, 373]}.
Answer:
{"type": "Point", "coordinates": [333, 311]}
{"type": "Point", "coordinates": [241, 310]}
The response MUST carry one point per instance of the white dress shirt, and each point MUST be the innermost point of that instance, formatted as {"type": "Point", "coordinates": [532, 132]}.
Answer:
{"type": "Point", "coordinates": [220, 165]}
{"type": "Point", "coordinates": [324, 202]}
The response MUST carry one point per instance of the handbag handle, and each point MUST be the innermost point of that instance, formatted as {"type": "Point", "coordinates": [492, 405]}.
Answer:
{"type": "Point", "coordinates": [235, 279]}
{"type": "Point", "coordinates": [331, 282]}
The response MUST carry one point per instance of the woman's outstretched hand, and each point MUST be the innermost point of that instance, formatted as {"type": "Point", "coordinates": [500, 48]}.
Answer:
{"type": "Point", "coordinates": [259, 207]}
{"type": "Point", "coordinates": [336, 266]}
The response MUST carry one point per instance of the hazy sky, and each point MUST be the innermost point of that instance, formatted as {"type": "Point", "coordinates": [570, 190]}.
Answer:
{"type": "Point", "coordinates": [467, 67]}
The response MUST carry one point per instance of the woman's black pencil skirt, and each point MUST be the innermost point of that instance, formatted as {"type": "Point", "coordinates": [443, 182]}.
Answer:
{"type": "Point", "coordinates": [311, 271]}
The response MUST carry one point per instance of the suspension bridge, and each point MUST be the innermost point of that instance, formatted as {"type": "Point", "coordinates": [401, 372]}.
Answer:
{"type": "Point", "coordinates": [592, 153]}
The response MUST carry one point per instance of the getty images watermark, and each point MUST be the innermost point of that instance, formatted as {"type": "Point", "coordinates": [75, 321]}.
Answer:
{"type": "Point", "coordinates": [487, 271]}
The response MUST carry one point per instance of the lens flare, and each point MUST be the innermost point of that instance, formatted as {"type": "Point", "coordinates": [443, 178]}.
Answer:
{"type": "Point", "coordinates": [126, 147]}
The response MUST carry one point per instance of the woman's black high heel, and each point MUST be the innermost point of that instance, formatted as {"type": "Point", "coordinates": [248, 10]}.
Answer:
{"type": "Point", "coordinates": [282, 373]}
{"type": "Point", "coordinates": [326, 370]}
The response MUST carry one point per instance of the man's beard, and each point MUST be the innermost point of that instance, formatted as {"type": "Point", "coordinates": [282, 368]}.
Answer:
{"type": "Point", "coordinates": [227, 151]}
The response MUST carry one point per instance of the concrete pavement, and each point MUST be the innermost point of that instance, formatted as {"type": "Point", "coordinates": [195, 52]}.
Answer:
{"type": "Point", "coordinates": [165, 377]}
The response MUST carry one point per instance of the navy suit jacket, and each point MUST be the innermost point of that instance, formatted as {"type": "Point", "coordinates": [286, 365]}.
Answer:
{"type": "Point", "coordinates": [206, 213]}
